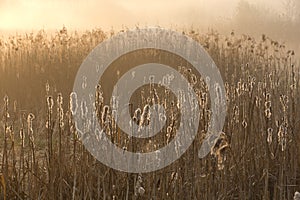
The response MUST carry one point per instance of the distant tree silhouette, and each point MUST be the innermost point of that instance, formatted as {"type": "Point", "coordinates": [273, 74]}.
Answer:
{"type": "Point", "coordinates": [257, 20]}
{"type": "Point", "coordinates": [291, 9]}
{"type": "Point", "coordinates": [253, 19]}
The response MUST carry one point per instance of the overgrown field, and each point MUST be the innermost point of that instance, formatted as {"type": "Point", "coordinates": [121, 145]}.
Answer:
{"type": "Point", "coordinates": [41, 157]}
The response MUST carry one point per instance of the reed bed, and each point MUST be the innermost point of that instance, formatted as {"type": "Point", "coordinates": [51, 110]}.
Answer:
{"type": "Point", "coordinates": [42, 157]}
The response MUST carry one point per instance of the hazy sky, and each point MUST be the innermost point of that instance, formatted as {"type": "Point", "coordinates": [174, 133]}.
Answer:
{"type": "Point", "coordinates": [53, 14]}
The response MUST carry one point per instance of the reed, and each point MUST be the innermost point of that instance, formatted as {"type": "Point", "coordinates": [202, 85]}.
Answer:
{"type": "Point", "coordinates": [256, 157]}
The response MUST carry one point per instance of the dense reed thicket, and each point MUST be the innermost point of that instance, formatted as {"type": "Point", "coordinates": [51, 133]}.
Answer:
{"type": "Point", "coordinates": [257, 156]}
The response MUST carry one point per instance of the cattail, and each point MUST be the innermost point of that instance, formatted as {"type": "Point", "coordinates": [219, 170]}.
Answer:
{"type": "Point", "coordinates": [193, 79]}
{"type": "Point", "coordinates": [6, 99]}
{"type": "Point", "coordinates": [139, 190]}
{"type": "Point", "coordinates": [22, 136]}
{"type": "Point", "coordinates": [155, 99]}
{"type": "Point", "coordinates": [60, 110]}
{"type": "Point", "coordinates": [282, 136]}
{"type": "Point", "coordinates": [105, 112]}
{"type": "Point", "coordinates": [257, 101]}
{"type": "Point", "coordinates": [268, 97]}
{"type": "Point", "coordinates": [73, 103]}
{"type": "Point", "coordinates": [9, 130]}
{"type": "Point", "coordinates": [30, 118]}
{"type": "Point", "coordinates": [50, 103]}
{"type": "Point", "coordinates": [114, 102]}
{"type": "Point", "coordinates": [165, 81]}
{"type": "Point", "coordinates": [145, 118]}
{"type": "Point", "coordinates": [157, 157]}
{"type": "Point", "coordinates": [137, 116]}
{"type": "Point", "coordinates": [151, 80]}
{"type": "Point", "coordinates": [84, 82]}
{"type": "Point", "coordinates": [239, 88]}
{"type": "Point", "coordinates": [207, 81]}
{"type": "Point", "coordinates": [252, 83]}
{"type": "Point", "coordinates": [6, 102]}
{"type": "Point", "coordinates": [162, 117]}
{"type": "Point", "coordinates": [244, 87]}
{"type": "Point", "coordinates": [203, 100]}
{"type": "Point", "coordinates": [268, 113]}
{"type": "Point", "coordinates": [177, 147]}
{"type": "Point", "coordinates": [84, 109]}
{"type": "Point", "coordinates": [170, 78]}
{"type": "Point", "coordinates": [49, 110]}
{"type": "Point", "coordinates": [148, 100]}
{"type": "Point", "coordinates": [218, 100]}
{"type": "Point", "coordinates": [47, 88]}
{"type": "Point", "coordinates": [297, 196]}
{"type": "Point", "coordinates": [218, 150]}
{"type": "Point", "coordinates": [169, 131]}
{"type": "Point", "coordinates": [181, 98]}
{"type": "Point", "coordinates": [244, 123]}
{"type": "Point", "coordinates": [268, 106]}
{"type": "Point", "coordinates": [270, 135]}
{"type": "Point", "coordinates": [15, 106]}
{"type": "Point", "coordinates": [284, 102]}
{"type": "Point", "coordinates": [236, 112]}
{"type": "Point", "coordinates": [99, 100]}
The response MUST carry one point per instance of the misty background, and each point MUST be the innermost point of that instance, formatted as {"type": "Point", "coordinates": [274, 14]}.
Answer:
{"type": "Point", "coordinates": [279, 19]}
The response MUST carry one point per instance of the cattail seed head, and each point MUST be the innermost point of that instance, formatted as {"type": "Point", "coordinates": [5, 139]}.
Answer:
{"type": "Point", "coordinates": [84, 109]}
{"type": "Point", "coordinates": [50, 103]}
{"type": "Point", "coordinates": [59, 99]}
{"type": "Point", "coordinates": [105, 112]}
{"type": "Point", "coordinates": [84, 82]}
{"type": "Point", "coordinates": [297, 196]}
{"type": "Point", "coordinates": [73, 103]}
{"type": "Point", "coordinates": [162, 117]}
{"type": "Point", "coordinates": [30, 118]}
{"type": "Point", "coordinates": [6, 99]}
{"type": "Point", "coordinates": [270, 135]}
{"type": "Point", "coordinates": [137, 115]}
{"type": "Point", "coordinates": [244, 124]}
{"type": "Point", "coordinates": [60, 110]}
{"type": "Point", "coordinates": [194, 79]}
{"type": "Point", "coordinates": [145, 118]}
{"type": "Point", "coordinates": [47, 87]}
{"type": "Point", "coordinates": [268, 104]}
{"type": "Point", "coordinates": [268, 113]}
